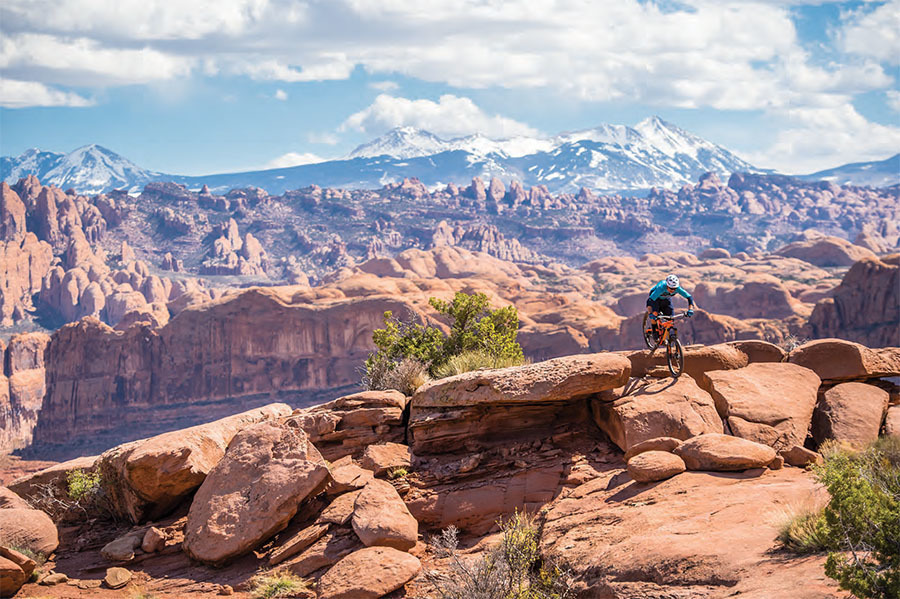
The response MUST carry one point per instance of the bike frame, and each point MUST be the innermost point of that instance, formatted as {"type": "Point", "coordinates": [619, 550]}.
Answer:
{"type": "Point", "coordinates": [666, 325]}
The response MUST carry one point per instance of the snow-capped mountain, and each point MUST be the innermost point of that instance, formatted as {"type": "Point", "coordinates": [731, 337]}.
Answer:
{"type": "Point", "coordinates": [881, 173]}
{"type": "Point", "coordinates": [606, 159]}
{"type": "Point", "coordinates": [89, 169]}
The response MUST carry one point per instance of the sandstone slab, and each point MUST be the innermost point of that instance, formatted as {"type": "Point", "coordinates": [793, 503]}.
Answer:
{"type": "Point", "coordinates": [349, 424]}
{"type": "Point", "coordinates": [328, 550]}
{"type": "Point", "coordinates": [840, 360]}
{"type": "Point", "coordinates": [29, 529]}
{"type": "Point", "coordinates": [651, 466]}
{"type": "Point", "coordinates": [253, 492]}
{"type": "Point", "coordinates": [724, 453]}
{"type": "Point", "coordinates": [490, 407]}
{"type": "Point", "coordinates": [153, 475]}
{"type": "Point", "coordinates": [381, 518]}
{"type": "Point", "coordinates": [892, 422]}
{"type": "Point", "coordinates": [116, 578]}
{"type": "Point", "coordinates": [383, 457]}
{"type": "Point", "coordinates": [368, 574]}
{"type": "Point", "coordinates": [347, 476]}
{"type": "Point", "coordinates": [297, 543]}
{"type": "Point", "coordinates": [658, 444]}
{"type": "Point", "coordinates": [11, 577]}
{"type": "Point", "coordinates": [8, 499]}
{"type": "Point", "coordinates": [800, 456]}
{"type": "Point", "coordinates": [645, 410]}
{"type": "Point", "coordinates": [697, 360]}
{"type": "Point", "coordinates": [154, 540]}
{"type": "Point", "coordinates": [559, 379]}
{"type": "Point", "coordinates": [769, 403]}
{"type": "Point", "coordinates": [123, 548]}
{"type": "Point", "coordinates": [850, 413]}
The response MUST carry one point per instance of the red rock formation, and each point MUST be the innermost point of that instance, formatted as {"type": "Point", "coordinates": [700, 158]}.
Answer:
{"type": "Point", "coordinates": [258, 346]}
{"type": "Point", "coordinates": [864, 307]}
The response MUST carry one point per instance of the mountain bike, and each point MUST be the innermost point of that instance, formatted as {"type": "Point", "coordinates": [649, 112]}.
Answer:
{"type": "Point", "coordinates": [668, 336]}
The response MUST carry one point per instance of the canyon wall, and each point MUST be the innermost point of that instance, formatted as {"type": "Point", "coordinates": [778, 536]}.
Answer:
{"type": "Point", "coordinates": [247, 349]}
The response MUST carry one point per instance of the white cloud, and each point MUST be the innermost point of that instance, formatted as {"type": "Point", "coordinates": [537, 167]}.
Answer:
{"type": "Point", "coordinates": [326, 138]}
{"type": "Point", "coordinates": [814, 139]}
{"type": "Point", "coordinates": [874, 33]}
{"type": "Point", "coordinates": [449, 116]}
{"type": "Point", "coordinates": [893, 99]}
{"type": "Point", "coordinates": [294, 159]}
{"type": "Point", "coordinates": [22, 94]}
{"type": "Point", "coordinates": [384, 86]}
{"type": "Point", "coordinates": [84, 62]}
{"type": "Point", "coordinates": [280, 94]}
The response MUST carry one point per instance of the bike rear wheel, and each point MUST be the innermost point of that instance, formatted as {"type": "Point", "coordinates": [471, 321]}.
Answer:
{"type": "Point", "coordinates": [649, 338]}
{"type": "Point", "coordinates": [675, 357]}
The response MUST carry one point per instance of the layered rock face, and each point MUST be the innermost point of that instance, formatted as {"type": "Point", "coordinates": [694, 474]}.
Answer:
{"type": "Point", "coordinates": [21, 388]}
{"type": "Point", "coordinates": [864, 306]}
{"type": "Point", "coordinates": [237, 353]}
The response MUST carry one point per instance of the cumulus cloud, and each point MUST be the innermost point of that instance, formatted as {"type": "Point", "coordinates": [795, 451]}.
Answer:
{"type": "Point", "coordinates": [893, 99]}
{"type": "Point", "coordinates": [21, 94]}
{"type": "Point", "coordinates": [817, 138]}
{"type": "Point", "coordinates": [294, 159]}
{"type": "Point", "coordinates": [280, 94]}
{"type": "Point", "coordinates": [84, 62]}
{"type": "Point", "coordinates": [450, 116]}
{"type": "Point", "coordinates": [873, 32]}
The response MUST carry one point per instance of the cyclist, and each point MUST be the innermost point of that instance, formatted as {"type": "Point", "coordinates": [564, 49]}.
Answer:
{"type": "Point", "coordinates": [660, 301]}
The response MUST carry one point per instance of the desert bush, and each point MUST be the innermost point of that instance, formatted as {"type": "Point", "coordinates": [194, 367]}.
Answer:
{"type": "Point", "coordinates": [792, 342]}
{"type": "Point", "coordinates": [272, 585]}
{"type": "Point", "coordinates": [397, 473]}
{"type": "Point", "coordinates": [862, 519]}
{"type": "Point", "coordinates": [803, 531]}
{"type": "Point", "coordinates": [475, 360]}
{"type": "Point", "coordinates": [84, 496]}
{"type": "Point", "coordinates": [510, 570]}
{"type": "Point", "coordinates": [406, 351]}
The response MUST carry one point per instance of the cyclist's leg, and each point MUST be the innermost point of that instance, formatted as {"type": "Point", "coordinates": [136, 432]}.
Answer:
{"type": "Point", "coordinates": [665, 306]}
{"type": "Point", "coordinates": [653, 305]}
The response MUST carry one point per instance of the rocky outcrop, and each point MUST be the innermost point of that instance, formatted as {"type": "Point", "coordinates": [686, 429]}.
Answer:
{"type": "Point", "coordinates": [863, 308]}
{"type": "Point", "coordinates": [850, 413]}
{"type": "Point", "coordinates": [368, 574]}
{"type": "Point", "coordinates": [644, 410]}
{"type": "Point", "coordinates": [652, 466]}
{"type": "Point", "coordinates": [268, 470]}
{"type": "Point", "coordinates": [153, 475]}
{"type": "Point", "coordinates": [350, 424]}
{"type": "Point", "coordinates": [826, 251]}
{"type": "Point", "coordinates": [29, 529]}
{"type": "Point", "coordinates": [724, 453]}
{"type": "Point", "coordinates": [381, 518]}
{"type": "Point", "coordinates": [259, 346]}
{"type": "Point", "coordinates": [21, 388]}
{"type": "Point", "coordinates": [485, 407]}
{"type": "Point", "coordinates": [839, 360]}
{"type": "Point", "coordinates": [769, 403]}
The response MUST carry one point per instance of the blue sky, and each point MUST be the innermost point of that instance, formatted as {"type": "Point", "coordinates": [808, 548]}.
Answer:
{"type": "Point", "coordinates": [204, 86]}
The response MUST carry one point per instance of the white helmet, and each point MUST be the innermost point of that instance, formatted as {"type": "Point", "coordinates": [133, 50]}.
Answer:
{"type": "Point", "coordinates": [671, 281]}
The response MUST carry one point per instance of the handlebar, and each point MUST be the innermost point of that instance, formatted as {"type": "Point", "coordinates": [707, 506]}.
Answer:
{"type": "Point", "coordinates": [676, 317]}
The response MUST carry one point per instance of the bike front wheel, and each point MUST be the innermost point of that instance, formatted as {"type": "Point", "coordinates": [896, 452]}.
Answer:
{"type": "Point", "coordinates": [649, 337]}
{"type": "Point", "coordinates": [675, 357]}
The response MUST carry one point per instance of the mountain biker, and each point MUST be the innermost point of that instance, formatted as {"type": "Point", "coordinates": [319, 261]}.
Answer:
{"type": "Point", "coordinates": [660, 301]}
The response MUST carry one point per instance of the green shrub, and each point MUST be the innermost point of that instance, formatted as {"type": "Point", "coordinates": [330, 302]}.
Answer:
{"type": "Point", "coordinates": [82, 485]}
{"type": "Point", "coordinates": [511, 570]}
{"type": "Point", "coordinates": [406, 351]}
{"type": "Point", "coordinates": [397, 473]}
{"type": "Point", "coordinates": [803, 531]}
{"type": "Point", "coordinates": [272, 585]}
{"type": "Point", "coordinates": [475, 360]}
{"type": "Point", "coordinates": [862, 519]}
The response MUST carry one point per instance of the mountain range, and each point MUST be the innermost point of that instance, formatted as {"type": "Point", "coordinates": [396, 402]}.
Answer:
{"type": "Point", "coordinates": [606, 159]}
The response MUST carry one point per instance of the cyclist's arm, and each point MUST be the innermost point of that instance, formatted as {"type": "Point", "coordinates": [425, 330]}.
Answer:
{"type": "Point", "coordinates": [683, 293]}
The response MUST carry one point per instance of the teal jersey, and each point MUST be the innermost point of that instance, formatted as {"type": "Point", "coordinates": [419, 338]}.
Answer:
{"type": "Point", "coordinates": [662, 290]}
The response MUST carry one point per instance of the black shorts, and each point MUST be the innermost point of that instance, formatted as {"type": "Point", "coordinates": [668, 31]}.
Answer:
{"type": "Point", "coordinates": [662, 305]}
